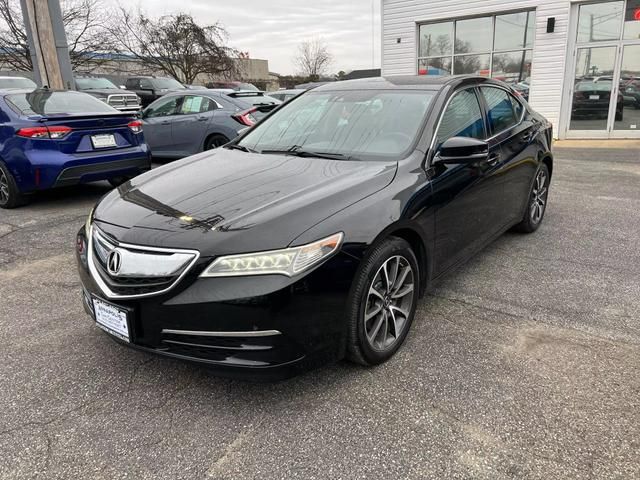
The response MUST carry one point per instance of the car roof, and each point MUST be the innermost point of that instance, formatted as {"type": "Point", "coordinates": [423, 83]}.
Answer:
{"type": "Point", "coordinates": [413, 82]}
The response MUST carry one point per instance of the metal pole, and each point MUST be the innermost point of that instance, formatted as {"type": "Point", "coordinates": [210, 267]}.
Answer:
{"type": "Point", "coordinates": [47, 43]}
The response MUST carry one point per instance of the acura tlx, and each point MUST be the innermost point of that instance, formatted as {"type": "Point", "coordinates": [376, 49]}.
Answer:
{"type": "Point", "coordinates": [312, 236]}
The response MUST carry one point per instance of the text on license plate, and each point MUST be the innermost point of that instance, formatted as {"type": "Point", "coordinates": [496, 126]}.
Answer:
{"type": "Point", "coordinates": [111, 319]}
{"type": "Point", "coordinates": [103, 141]}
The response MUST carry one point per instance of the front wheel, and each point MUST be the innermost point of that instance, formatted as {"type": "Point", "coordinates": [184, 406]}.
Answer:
{"type": "Point", "coordinates": [537, 204]}
{"type": "Point", "coordinates": [383, 302]}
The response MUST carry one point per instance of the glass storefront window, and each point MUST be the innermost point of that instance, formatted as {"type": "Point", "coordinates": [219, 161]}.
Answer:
{"type": "Point", "coordinates": [435, 66]}
{"type": "Point", "coordinates": [436, 39]}
{"type": "Point", "coordinates": [599, 21]}
{"type": "Point", "coordinates": [471, 64]}
{"type": "Point", "coordinates": [500, 46]}
{"type": "Point", "coordinates": [473, 35]}
{"type": "Point", "coordinates": [515, 30]}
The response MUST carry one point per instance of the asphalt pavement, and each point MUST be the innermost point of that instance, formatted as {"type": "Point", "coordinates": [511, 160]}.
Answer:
{"type": "Point", "coordinates": [524, 363]}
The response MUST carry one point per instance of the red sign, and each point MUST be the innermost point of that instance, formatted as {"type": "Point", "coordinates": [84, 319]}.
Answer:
{"type": "Point", "coordinates": [636, 14]}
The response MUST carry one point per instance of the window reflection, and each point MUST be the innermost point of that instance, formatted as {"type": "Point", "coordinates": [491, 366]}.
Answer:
{"type": "Point", "coordinates": [477, 44]}
{"type": "Point", "coordinates": [599, 21]}
{"type": "Point", "coordinates": [629, 117]}
{"type": "Point", "coordinates": [435, 39]}
{"type": "Point", "coordinates": [515, 30]}
{"type": "Point", "coordinates": [473, 35]}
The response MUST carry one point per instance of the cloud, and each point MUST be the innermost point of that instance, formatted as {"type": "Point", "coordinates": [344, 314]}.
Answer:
{"type": "Point", "coordinates": [274, 32]}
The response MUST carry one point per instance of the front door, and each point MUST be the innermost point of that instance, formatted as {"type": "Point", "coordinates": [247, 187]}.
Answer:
{"type": "Point", "coordinates": [157, 124]}
{"type": "Point", "coordinates": [605, 72]}
{"type": "Point", "coordinates": [469, 196]}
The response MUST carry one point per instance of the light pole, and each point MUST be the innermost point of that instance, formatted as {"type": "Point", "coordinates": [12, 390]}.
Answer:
{"type": "Point", "coordinates": [47, 44]}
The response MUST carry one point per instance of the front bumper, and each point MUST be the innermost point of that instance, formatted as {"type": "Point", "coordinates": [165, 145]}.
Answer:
{"type": "Point", "coordinates": [261, 327]}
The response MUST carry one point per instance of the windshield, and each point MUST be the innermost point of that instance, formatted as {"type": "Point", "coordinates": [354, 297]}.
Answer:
{"type": "Point", "coordinates": [168, 83]}
{"type": "Point", "coordinates": [17, 83]}
{"type": "Point", "coordinates": [371, 124]}
{"type": "Point", "coordinates": [45, 102]}
{"type": "Point", "coordinates": [93, 83]}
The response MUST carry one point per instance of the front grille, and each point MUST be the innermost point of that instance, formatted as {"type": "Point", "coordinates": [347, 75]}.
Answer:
{"type": "Point", "coordinates": [123, 101]}
{"type": "Point", "coordinates": [142, 271]}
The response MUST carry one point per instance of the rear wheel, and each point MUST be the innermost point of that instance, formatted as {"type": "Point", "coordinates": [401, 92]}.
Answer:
{"type": "Point", "coordinates": [10, 196]}
{"type": "Point", "coordinates": [383, 302]}
{"type": "Point", "coordinates": [537, 202]}
{"type": "Point", "coordinates": [214, 141]}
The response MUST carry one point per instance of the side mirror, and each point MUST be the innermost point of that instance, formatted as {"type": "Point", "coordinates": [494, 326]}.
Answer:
{"type": "Point", "coordinates": [462, 150]}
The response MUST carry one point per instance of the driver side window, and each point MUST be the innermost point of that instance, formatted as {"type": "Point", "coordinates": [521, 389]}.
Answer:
{"type": "Point", "coordinates": [164, 108]}
{"type": "Point", "coordinates": [462, 118]}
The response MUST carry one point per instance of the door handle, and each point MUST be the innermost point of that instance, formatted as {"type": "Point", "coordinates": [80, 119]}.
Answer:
{"type": "Point", "coordinates": [165, 122]}
{"type": "Point", "coordinates": [493, 158]}
{"type": "Point", "coordinates": [202, 119]}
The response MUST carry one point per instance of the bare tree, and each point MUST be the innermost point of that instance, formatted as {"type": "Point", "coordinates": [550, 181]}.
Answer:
{"type": "Point", "coordinates": [175, 45]}
{"type": "Point", "coordinates": [313, 58]}
{"type": "Point", "coordinates": [85, 23]}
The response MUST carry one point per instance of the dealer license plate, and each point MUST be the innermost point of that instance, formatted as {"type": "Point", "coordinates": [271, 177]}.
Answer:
{"type": "Point", "coordinates": [103, 141]}
{"type": "Point", "coordinates": [111, 318]}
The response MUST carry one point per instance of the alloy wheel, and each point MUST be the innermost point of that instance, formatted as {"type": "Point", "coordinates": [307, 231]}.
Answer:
{"type": "Point", "coordinates": [539, 197]}
{"type": "Point", "coordinates": [389, 303]}
{"type": "Point", "coordinates": [4, 188]}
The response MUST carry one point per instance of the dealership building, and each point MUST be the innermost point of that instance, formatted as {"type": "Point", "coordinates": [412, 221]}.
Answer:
{"type": "Point", "coordinates": [577, 62]}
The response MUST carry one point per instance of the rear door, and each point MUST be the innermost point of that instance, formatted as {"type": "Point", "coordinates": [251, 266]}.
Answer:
{"type": "Point", "coordinates": [515, 133]}
{"type": "Point", "coordinates": [158, 118]}
{"type": "Point", "coordinates": [190, 126]}
{"type": "Point", "coordinates": [469, 196]}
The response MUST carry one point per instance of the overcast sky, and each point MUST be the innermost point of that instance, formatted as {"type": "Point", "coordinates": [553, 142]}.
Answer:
{"type": "Point", "coordinates": [273, 32]}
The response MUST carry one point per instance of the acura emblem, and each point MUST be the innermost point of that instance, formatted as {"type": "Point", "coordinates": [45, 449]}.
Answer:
{"type": "Point", "coordinates": [114, 262]}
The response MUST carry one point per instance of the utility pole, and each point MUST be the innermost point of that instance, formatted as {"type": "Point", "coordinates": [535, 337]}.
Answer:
{"type": "Point", "coordinates": [47, 44]}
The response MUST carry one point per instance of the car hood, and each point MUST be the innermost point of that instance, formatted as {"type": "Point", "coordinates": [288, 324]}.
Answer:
{"type": "Point", "coordinates": [107, 91]}
{"type": "Point", "coordinates": [228, 201]}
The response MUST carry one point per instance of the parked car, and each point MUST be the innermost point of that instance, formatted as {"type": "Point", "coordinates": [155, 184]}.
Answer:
{"type": "Point", "coordinates": [234, 85]}
{"type": "Point", "coordinates": [631, 96]}
{"type": "Point", "coordinates": [312, 236]}
{"type": "Point", "coordinates": [57, 138]}
{"type": "Point", "coordinates": [285, 95]}
{"type": "Point", "coordinates": [151, 88]}
{"type": "Point", "coordinates": [196, 87]}
{"type": "Point", "coordinates": [16, 82]}
{"type": "Point", "coordinates": [591, 99]}
{"type": "Point", "coordinates": [103, 89]}
{"type": "Point", "coordinates": [181, 124]}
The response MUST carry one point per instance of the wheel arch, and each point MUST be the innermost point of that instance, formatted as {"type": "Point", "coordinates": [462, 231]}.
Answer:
{"type": "Point", "coordinates": [418, 244]}
{"type": "Point", "coordinates": [212, 134]}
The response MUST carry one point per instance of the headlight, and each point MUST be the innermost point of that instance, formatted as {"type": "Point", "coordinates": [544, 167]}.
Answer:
{"type": "Point", "coordinates": [87, 223]}
{"type": "Point", "coordinates": [288, 261]}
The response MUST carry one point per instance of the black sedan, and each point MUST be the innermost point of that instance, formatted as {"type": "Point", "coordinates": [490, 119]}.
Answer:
{"type": "Point", "coordinates": [312, 236]}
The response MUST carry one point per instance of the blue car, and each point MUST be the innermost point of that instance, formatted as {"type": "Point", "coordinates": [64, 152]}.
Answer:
{"type": "Point", "coordinates": [52, 138]}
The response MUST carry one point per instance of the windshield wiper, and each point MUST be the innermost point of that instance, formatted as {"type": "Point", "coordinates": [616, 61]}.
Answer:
{"type": "Point", "coordinates": [295, 150]}
{"type": "Point", "coordinates": [235, 146]}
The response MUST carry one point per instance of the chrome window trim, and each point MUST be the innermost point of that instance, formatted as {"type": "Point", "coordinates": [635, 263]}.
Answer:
{"type": "Point", "coordinates": [112, 295]}
{"type": "Point", "coordinates": [202, 333]}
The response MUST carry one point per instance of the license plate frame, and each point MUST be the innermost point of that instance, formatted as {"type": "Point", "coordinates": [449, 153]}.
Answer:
{"type": "Point", "coordinates": [113, 319]}
{"type": "Point", "coordinates": [104, 140]}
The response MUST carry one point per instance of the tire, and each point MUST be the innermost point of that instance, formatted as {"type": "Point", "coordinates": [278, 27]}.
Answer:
{"type": "Point", "coordinates": [10, 196]}
{"type": "Point", "coordinates": [214, 141]}
{"type": "Point", "coordinates": [374, 339]}
{"type": "Point", "coordinates": [536, 203]}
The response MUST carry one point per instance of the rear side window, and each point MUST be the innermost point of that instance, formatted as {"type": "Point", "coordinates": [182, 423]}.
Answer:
{"type": "Point", "coordinates": [462, 118]}
{"type": "Point", "coordinates": [45, 102]}
{"type": "Point", "coordinates": [499, 109]}
{"type": "Point", "coordinates": [196, 104]}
